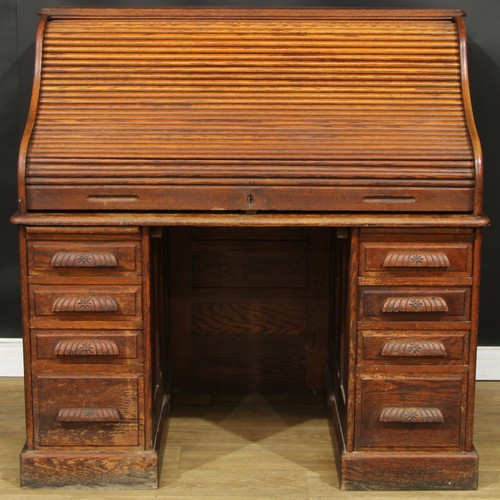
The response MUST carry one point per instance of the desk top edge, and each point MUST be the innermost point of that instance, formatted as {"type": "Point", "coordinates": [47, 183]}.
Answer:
{"type": "Point", "coordinates": [250, 220]}
{"type": "Point", "coordinates": [231, 13]}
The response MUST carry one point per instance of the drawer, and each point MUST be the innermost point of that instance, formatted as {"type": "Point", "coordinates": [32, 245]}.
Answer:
{"type": "Point", "coordinates": [413, 347]}
{"type": "Point", "coordinates": [417, 259]}
{"type": "Point", "coordinates": [412, 411]}
{"type": "Point", "coordinates": [415, 304]}
{"type": "Point", "coordinates": [61, 303]}
{"type": "Point", "coordinates": [87, 411]}
{"type": "Point", "coordinates": [84, 258]}
{"type": "Point", "coordinates": [260, 197]}
{"type": "Point", "coordinates": [86, 346]}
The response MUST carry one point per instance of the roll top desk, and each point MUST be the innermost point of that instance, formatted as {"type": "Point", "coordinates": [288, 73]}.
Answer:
{"type": "Point", "coordinates": [301, 185]}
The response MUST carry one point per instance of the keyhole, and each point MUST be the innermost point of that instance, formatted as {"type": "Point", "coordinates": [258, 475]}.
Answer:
{"type": "Point", "coordinates": [250, 199]}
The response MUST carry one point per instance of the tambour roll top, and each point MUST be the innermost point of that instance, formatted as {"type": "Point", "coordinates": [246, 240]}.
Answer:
{"type": "Point", "coordinates": [312, 110]}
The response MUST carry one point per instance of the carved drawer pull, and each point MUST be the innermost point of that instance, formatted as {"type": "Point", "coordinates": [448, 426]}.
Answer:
{"type": "Point", "coordinates": [84, 304]}
{"type": "Point", "coordinates": [413, 348]}
{"type": "Point", "coordinates": [416, 259]}
{"type": "Point", "coordinates": [83, 259]}
{"type": "Point", "coordinates": [86, 348]}
{"type": "Point", "coordinates": [417, 415]}
{"type": "Point", "coordinates": [88, 415]}
{"type": "Point", "coordinates": [414, 305]}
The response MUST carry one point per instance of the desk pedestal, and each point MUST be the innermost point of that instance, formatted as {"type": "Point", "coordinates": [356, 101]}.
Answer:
{"type": "Point", "coordinates": [382, 319]}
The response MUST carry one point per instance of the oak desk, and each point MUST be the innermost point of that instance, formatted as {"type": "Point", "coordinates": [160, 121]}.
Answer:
{"type": "Point", "coordinates": [250, 200]}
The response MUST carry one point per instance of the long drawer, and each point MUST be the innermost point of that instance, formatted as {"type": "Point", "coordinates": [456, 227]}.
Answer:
{"type": "Point", "coordinates": [249, 197]}
{"type": "Point", "coordinates": [411, 410]}
{"type": "Point", "coordinates": [87, 411]}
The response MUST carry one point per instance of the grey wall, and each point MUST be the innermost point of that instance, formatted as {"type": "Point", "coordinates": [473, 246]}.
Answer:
{"type": "Point", "coordinates": [17, 31]}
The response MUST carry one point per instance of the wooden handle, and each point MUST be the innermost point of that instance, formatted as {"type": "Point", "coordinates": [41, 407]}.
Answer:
{"type": "Point", "coordinates": [84, 259]}
{"type": "Point", "coordinates": [88, 415]}
{"type": "Point", "coordinates": [84, 304]}
{"type": "Point", "coordinates": [414, 305]}
{"type": "Point", "coordinates": [416, 259]}
{"type": "Point", "coordinates": [413, 348]}
{"type": "Point", "coordinates": [417, 415]}
{"type": "Point", "coordinates": [86, 348]}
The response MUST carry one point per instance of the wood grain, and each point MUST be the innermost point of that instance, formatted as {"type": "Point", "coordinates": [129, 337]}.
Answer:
{"type": "Point", "coordinates": [123, 394]}
{"type": "Point", "coordinates": [118, 303]}
{"type": "Point", "coordinates": [127, 196]}
{"type": "Point", "coordinates": [413, 347]}
{"type": "Point", "coordinates": [266, 98]}
{"type": "Point", "coordinates": [100, 255]}
{"type": "Point", "coordinates": [469, 116]}
{"type": "Point", "coordinates": [373, 300]}
{"type": "Point", "coordinates": [63, 220]}
{"type": "Point", "coordinates": [249, 313]}
{"type": "Point", "coordinates": [417, 259]}
{"type": "Point", "coordinates": [86, 346]}
{"type": "Point", "coordinates": [321, 175]}
{"type": "Point", "coordinates": [446, 392]}
{"type": "Point", "coordinates": [249, 318]}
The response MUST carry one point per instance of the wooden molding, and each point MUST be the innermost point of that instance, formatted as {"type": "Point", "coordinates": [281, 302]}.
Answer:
{"type": "Point", "coordinates": [469, 117]}
{"type": "Point", "coordinates": [413, 348]}
{"type": "Point", "coordinates": [83, 259]}
{"type": "Point", "coordinates": [414, 414]}
{"type": "Point", "coordinates": [86, 348]}
{"type": "Point", "coordinates": [88, 415]}
{"type": "Point", "coordinates": [30, 123]}
{"type": "Point", "coordinates": [234, 13]}
{"type": "Point", "coordinates": [416, 259]}
{"type": "Point", "coordinates": [249, 220]}
{"type": "Point", "coordinates": [84, 304]}
{"type": "Point", "coordinates": [414, 305]}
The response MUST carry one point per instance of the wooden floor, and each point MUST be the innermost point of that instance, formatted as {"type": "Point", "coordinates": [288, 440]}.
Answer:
{"type": "Point", "coordinates": [246, 447]}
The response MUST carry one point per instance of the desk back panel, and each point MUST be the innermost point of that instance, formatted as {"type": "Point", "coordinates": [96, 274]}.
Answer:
{"type": "Point", "coordinates": [249, 308]}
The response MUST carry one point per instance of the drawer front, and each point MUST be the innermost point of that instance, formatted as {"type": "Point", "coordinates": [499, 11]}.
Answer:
{"type": "Point", "coordinates": [413, 347]}
{"type": "Point", "coordinates": [81, 258]}
{"type": "Point", "coordinates": [250, 197]}
{"type": "Point", "coordinates": [405, 304]}
{"type": "Point", "coordinates": [61, 303]}
{"type": "Point", "coordinates": [425, 412]}
{"type": "Point", "coordinates": [86, 346]}
{"type": "Point", "coordinates": [417, 259]}
{"type": "Point", "coordinates": [87, 411]}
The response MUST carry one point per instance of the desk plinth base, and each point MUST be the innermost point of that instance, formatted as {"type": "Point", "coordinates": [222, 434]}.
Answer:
{"type": "Point", "coordinates": [408, 471]}
{"type": "Point", "coordinates": [82, 469]}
